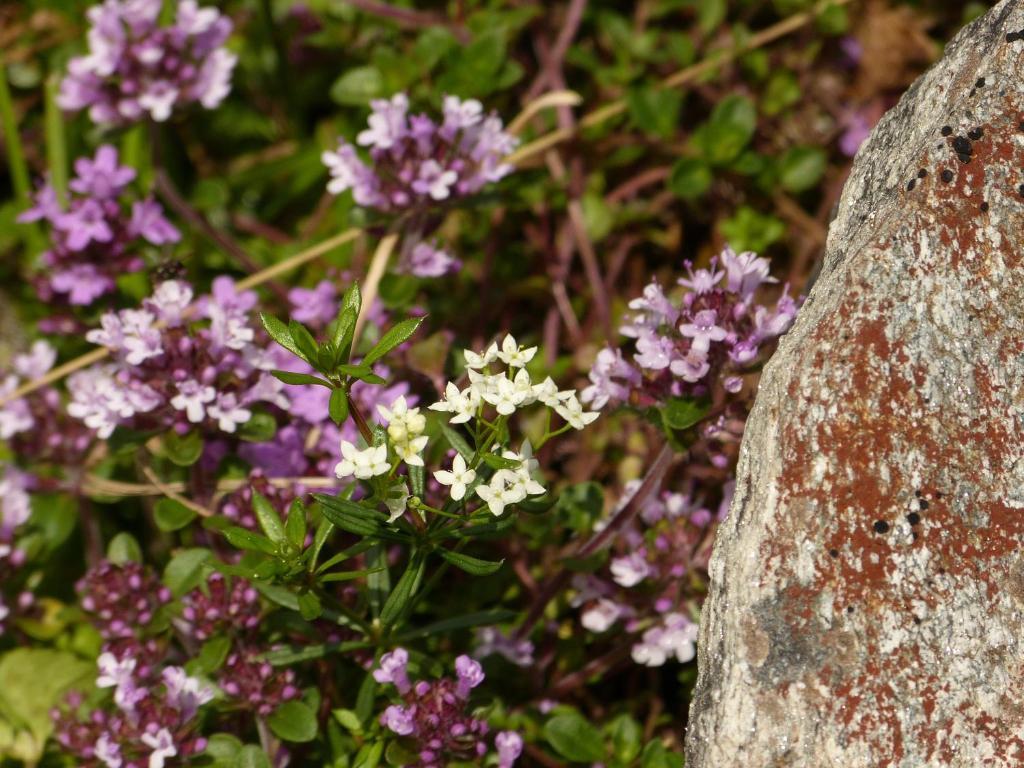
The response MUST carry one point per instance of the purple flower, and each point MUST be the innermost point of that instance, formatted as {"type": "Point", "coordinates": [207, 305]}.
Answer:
{"type": "Point", "coordinates": [399, 720]}
{"type": "Point", "coordinates": [101, 178]}
{"type": "Point", "coordinates": [424, 260]}
{"type": "Point", "coordinates": [136, 67]}
{"type": "Point", "coordinates": [745, 272]}
{"type": "Point", "coordinates": [148, 222]}
{"type": "Point", "coordinates": [85, 224]}
{"type": "Point", "coordinates": [393, 670]}
{"type": "Point", "coordinates": [703, 330]}
{"type": "Point", "coordinates": [510, 746]}
{"type": "Point", "coordinates": [470, 674]}
{"type": "Point", "coordinates": [317, 306]}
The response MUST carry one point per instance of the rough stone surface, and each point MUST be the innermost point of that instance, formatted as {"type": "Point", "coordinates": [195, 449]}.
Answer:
{"type": "Point", "coordinates": [867, 596]}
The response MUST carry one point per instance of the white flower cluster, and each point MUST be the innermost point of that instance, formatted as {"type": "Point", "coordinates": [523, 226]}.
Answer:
{"type": "Point", "coordinates": [405, 433]}
{"type": "Point", "coordinates": [508, 390]}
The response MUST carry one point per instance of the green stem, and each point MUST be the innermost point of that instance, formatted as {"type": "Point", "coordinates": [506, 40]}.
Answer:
{"type": "Point", "coordinates": [56, 145]}
{"type": "Point", "coordinates": [15, 153]}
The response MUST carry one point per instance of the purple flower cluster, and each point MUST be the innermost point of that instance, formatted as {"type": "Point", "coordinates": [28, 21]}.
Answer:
{"type": "Point", "coordinates": [650, 578]}
{"type": "Point", "coordinates": [172, 373]}
{"type": "Point", "coordinates": [684, 347]}
{"type": "Point", "coordinates": [254, 684]}
{"type": "Point", "coordinates": [96, 236]}
{"type": "Point", "coordinates": [121, 600]}
{"type": "Point", "coordinates": [433, 714]}
{"type": "Point", "coordinates": [151, 724]}
{"type": "Point", "coordinates": [415, 163]}
{"type": "Point", "coordinates": [137, 68]}
{"type": "Point", "coordinates": [220, 607]}
{"type": "Point", "coordinates": [15, 510]}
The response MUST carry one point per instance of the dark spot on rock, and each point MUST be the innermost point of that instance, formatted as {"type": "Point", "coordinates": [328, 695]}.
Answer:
{"type": "Point", "coordinates": [918, 494]}
{"type": "Point", "coordinates": [946, 176]}
{"type": "Point", "coordinates": [911, 184]}
{"type": "Point", "coordinates": [917, 620]}
{"type": "Point", "coordinates": [965, 159]}
{"type": "Point", "coordinates": [913, 518]}
{"type": "Point", "coordinates": [1012, 37]}
{"type": "Point", "coordinates": [1021, 126]}
{"type": "Point", "coordinates": [962, 145]}
{"type": "Point", "coordinates": [913, 535]}
{"type": "Point", "coordinates": [984, 207]}
{"type": "Point", "coordinates": [973, 92]}
{"type": "Point", "coordinates": [922, 173]}
{"type": "Point", "coordinates": [947, 130]}
{"type": "Point", "coordinates": [881, 526]}
{"type": "Point", "coordinates": [975, 133]}
{"type": "Point", "coordinates": [849, 609]}
{"type": "Point", "coordinates": [942, 570]}
{"type": "Point", "coordinates": [834, 552]}
{"type": "Point", "coordinates": [1021, 189]}
{"type": "Point", "coordinates": [980, 83]}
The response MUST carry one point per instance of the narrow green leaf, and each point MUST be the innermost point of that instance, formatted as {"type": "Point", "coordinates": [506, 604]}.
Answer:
{"type": "Point", "coordinates": [304, 341]}
{"type": "Point", "coordinates": [279, 332]}
{"type": "Point", "coordinates": [404, 590]}
{"type": "Point", "coordinates": [268, 518]}
{"type": "Point", "coordinates": [16, 163]}
{"type": "Point", "coordinates": [345, 554]}
{"type": "Point", "coordinates": [348, 575]}
{"type": "Point", "coordinates": [473, 565]}
{"type": "Point", "coordinates": [310, 607]}
{"type": "Point", "coordinates": [337, 406]}
{"type": "Point", "coordinates": [246, 539]}
{"type": "Point", "coordinates": [295, 524]}
{"type": "Point", "coordinates": [392, 338]}
{"type": "Point", "coordinates": [56, 144]}
{"type": "Point", "coordinates": [300, 378]}
{"type": "Point", "coordinates": [323, 532]}
{"type": "Point", "coordinates": [213, 654]}
{"type": "Point", "coordinates": [170, 515]}
{"type": "Point", "coordinates": [378, 584]}
{"type": "Point", "coordinates": [444, 626]}
{"type": "Point", "coordinates": [417, 480]}
{"type": "Point", "coordinates": [500, 462]}
{"type": "Point", "coordinates": [456, 441]}
{"type": "Point", "coordinates": [282, 657]}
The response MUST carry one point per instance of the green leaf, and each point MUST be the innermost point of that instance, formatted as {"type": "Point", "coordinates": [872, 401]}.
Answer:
{"type": "Point", "coordinates": [310, 606]}
{"type": "Point", "coordinates": [268, 518]}
{"type": "Point", "coordinates": [455, 440]}
{"type": "Point", "coordinates": [346, 322]}
{"type": "Point", "coordinates": [500, 462]}
{"type": "Point", "coordinates": [348, 720]}
{"type": "Point", "coordinates": [627, 736]}
{"type": "Point", "coordinates": [357, 86]}
{"type": "Point", "coordinates": [575, 739]}
{"type": "Point", "coordinates": [323, 532]}
{"type": "Point", "coordinates": [213, 654]}
{"type": "Point", "coordinates": [394, 336]}
{"type": "Point", "coordinates": [581, 505]}
{"type": "Point", "coordinates": [682, 413]}
{"type": "Point", "coordinates": [243, 538]}
{"type": "Point", "coordinates": [123, 548]}
{"type": "Point", "coordinates": [473, 565]}
{"type": "Point", "coordinates": [748, 230]}
{"type": "Point", "coordinates": [348, 575]}
{"type": "Point", "coordinates": [293, 721]}
{"type": "Point", "coordinates": [183, 450]}
{"type": "Point", "coordinates": [251, 756]}
{"type": "Point", "coordinates": [655, 111]}
{"type": "Point", "coordinates": [297, 379]}
{"type": "Point", "coordinates": [260, 428]}
{"type": "Point", "coordinates": [417, 480]}
{"type": "Point", "coordinates": [782, 90]}
{"type": "Point", "coordinates": [445, 626]}
{"type": "Point", "coordinates": [690, 177]}
{"type": "Point", "coordinates": [710, 14]}
{"type": "Point", "coordinates": [729, 129]}
{"type": "Point", "coordinates": [170, 515]}
{"type": "Point", "coordinates": [304, 341]}
{"type": "Point", "coordinates": [656, 756]}
{"type": "Point", "coordinates": [32, 682]}
{"type": "Point", "coordinates": [223, 749]}
{"type": "Point", "coordinates": [404, 590]}
{"type": "Point", "coordinates": [184, 571]}
{"type": "Point", "coordinates": [369, 755]}
{"type": "Point", "coordinates": [801, 168]}
{"type": "Point", "coordinates": [295, 524]}
{"type": "Point", "coordinates": [279, 332]}
{"type": "Point", "coordinates": [337, 406]}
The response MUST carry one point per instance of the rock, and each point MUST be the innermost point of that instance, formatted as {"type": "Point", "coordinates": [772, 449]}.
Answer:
{"type": "Point", "coordinates": [867, 589]}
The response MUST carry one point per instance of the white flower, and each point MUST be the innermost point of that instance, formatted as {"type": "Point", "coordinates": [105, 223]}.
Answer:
{"type": "Point", "coordinates": [170, 300]}
{"type": "Point", "coordinates": [404, 423]}
{"type": "Point", "coordinates": [676, 637]}
{"type": "Point", "coordinates": [522, 480]}
{"type": "Point", "coordinates": [162, 744]}
{"type": "Point", "coordinates": [630, 570]}
{"type": "Point", "coordinates": [601, 616]}
{"type": "Point", "coordinates": [186, 694]}
{"type": "Point", "coordinates": [114, 673]}
{"type": "Point", "coordinates": [397, 500]}
{"type": "Point", "coordinates": [548, 393]}
{"type": "Point", "coordinates": [523, 388]}
{"type": "Point", "coordinates": [192, 398]}
{"type": "Point", "coordinates": [228, 412]}
{"type": "Point", "coordinates": [482, 360]}
{"type": "Point", "coordinates": [459, 478]}
{"type": "Point", "coordinates": [462, 403]}
{"type": "Point", "coordinates": [108, 752]}
{"type": "Point", "coordinates": [572, 411]}
{"type": "Point", "coordinates": [37, 361]}
{"type": "Point", "coordinates": [502, 394]}
{"type": "Point", "coordinates": [364, 464]}
{"type": "Point", "coordinates": [409, 450]}
{"type": "Point", "coordinates": [500, 492]}
{"type": "Point", "coordinates": [513, 355]}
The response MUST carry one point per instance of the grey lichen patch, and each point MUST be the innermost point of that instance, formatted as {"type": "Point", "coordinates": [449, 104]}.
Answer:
{"type": "Point", "coordinates": [867, 590]}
